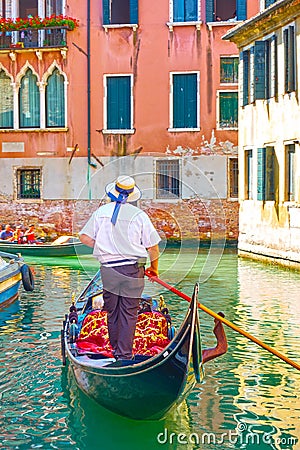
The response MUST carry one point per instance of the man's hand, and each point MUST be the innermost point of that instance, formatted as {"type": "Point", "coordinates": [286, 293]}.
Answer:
{"type": "Point", "coordinates": [154, 255]}
{"type": "Point", "coordinates": [151, 272]}
{"type": "Point", "coordinates": [87, 240]}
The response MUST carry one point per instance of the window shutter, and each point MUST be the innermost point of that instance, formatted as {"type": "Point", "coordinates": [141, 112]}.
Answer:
{"type": "Point", "coordinates": [261, 173]}
{"type": "Point", "coordinates": [185, 101]}
{"type": "Point", "coordinates": [245, 58]}
{"type": "Point", "coordinates": [106, 15]}
{"type": "Point", "coordinates": [6, 101]}
{"type": "Point", "coordinates": [274, 69]}
{"type": "Point", "coordinates": [29, 102]}
{"type": "Point", "coordinates": [241, 9]}
{"type": "Point", "coordinates": [210, 16]}
{"type": "Point", "coordinates": [55, 100]}
{"type": "Point", "coordinates": [118, 103]}
{"type": "Point", "coordinates": [291, 58]}
{"type": "Point", "coordinates": [259, 70]}
{"type": "Point", "coordinates": [191, 10]}
{"type": "Point", "coordinates": [134, 14]}
{"type": "Point", "coordinates": [269, 2]}
{"type": "Point", "coordinates": [178, 10]}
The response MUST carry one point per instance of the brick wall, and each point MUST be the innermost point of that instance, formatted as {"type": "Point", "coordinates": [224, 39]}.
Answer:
{"type": "Point", "coordinates": [187, 219]}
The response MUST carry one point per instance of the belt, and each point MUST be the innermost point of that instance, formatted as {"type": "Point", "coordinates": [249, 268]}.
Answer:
{"type": "Point", "coordinates": [140, 262]}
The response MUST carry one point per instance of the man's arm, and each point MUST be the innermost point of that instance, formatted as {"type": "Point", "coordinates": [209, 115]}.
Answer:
{"type": "Point", "coordinates": [154, 255]}
{"type": "Point", "coordinates": [87, 240]}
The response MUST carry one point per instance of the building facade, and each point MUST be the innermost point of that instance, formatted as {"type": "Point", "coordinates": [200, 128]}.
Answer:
{"type": "Point", "coordinates": [107, 87]}
{"type": "Point", "coordinates": [269, 134]}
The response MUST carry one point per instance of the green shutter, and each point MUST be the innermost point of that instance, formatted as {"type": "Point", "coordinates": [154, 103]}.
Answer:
{"type": "Point", "coordinates": [134, 14]}
{"type": "Point", "coordinates": [6, 101]}
{"type": "Point", "coordinates": [291, 58]}
{"type": "Point", "coordinates": [210, 13]}
{"type": "Point", "coordinates": [29, 101]}
{"type": "Point", "coordinates": [259, 70]}
{"type": "Point", "coordinates": [228, 113]}
{"type": "Point", "coordinates": [55, 100]}
{"type": "Point", "coordinates": [185, 101]}
{"type": "Point", "coordinates": [118, 103]}
{"type": "Point", "coordinates": [261, 174]}
{"type": "Point", "coordinates": [244, 56]}
{"type": "Point", "coordinates": [106, 9]}
{"type": "Point", "coordinates": [241, 9]}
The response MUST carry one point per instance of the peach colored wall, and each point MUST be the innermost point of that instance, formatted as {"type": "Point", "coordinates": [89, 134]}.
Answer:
{"type": "Point", "coordinates": [150, 54]}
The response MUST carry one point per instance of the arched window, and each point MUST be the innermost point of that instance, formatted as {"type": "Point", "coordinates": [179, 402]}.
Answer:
{"type": "Point", "coordinates": [55, 100]}
{"type": "Point", "coordinates": [6, 101]}
{"type": "Point", "coordinates": [29, 100]}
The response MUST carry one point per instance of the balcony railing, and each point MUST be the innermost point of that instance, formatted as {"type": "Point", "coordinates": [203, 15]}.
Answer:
{"type": "Point", "coordinates": [48, 37]}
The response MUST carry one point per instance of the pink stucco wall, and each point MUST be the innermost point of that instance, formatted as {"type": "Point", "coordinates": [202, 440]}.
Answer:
{"type": "Point", "coordinates": [150, 54]}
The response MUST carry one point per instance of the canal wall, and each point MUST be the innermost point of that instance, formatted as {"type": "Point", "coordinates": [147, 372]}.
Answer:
{"type": "Point", "coordinates": [191, 219]}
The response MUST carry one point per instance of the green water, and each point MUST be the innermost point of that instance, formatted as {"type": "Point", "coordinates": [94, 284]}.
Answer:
{"type": "Point", "coordinates": [249, 399]}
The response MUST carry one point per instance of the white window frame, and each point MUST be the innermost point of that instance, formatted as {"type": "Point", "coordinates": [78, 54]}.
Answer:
{"type": "Point", "coordinates": [229, 56]}
{"type": "Point", "coordinates": [171, 106]}
{"type": "Point", "coordinates": [106, 130]}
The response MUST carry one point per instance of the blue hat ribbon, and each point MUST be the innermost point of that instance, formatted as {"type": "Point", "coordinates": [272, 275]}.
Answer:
{"type": "Point", "coordinates": [120, 200]}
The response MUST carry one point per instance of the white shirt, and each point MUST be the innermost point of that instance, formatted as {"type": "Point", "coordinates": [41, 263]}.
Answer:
{"type": "Point", "coordinates": [128, 239]}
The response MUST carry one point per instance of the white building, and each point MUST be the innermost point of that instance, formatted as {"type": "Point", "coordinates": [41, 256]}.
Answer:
{"type": "Point", "coordinates": [269, 133]}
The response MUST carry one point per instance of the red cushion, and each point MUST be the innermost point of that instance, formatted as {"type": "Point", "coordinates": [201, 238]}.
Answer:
{"type": "Point", "coordinates": [151, 334]}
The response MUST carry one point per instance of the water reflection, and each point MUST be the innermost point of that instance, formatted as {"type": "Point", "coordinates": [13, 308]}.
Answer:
{"type": "Point", "coordinates": [248, 387]}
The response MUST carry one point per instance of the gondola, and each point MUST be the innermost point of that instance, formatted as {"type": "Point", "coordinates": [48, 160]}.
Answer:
{"type": "Point", "coordinates": [70, 247]}
{"type": "Point", "coordinates": [147, 387]}
{"type": "Point", "coordinates": [13, 270]}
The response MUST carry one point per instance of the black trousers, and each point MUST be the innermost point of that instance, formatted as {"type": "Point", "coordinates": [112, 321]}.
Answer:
{"type": "Point", "coordinates": [122, 290]}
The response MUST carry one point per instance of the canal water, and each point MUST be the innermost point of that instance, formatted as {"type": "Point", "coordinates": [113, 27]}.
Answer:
{"type": "Point", "coordinates": [249, 398]}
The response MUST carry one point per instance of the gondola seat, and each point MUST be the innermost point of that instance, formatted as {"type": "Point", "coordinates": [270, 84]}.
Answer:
{"type": "Point", "coordinates": [151, 334]}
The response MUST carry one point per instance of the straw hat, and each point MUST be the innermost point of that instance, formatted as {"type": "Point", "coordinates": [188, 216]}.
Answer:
{"type": "Point", "coordinates": [124, 183]}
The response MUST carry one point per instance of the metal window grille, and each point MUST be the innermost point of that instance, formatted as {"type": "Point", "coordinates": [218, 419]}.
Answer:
{"type": "Point", "coordinates": [167, 179]}
{"type": "Point", "coordinates": [234, 175]}
{"type": "Point", "coordinates": [28, 183]}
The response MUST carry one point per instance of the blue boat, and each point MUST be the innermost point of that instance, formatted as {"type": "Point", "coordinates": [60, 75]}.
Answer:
{"type": "Point", "coordinates": [13, 272]}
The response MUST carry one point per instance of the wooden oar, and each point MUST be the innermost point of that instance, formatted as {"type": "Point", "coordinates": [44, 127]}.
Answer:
{"type": "Point", "coordinates": [225, 321]}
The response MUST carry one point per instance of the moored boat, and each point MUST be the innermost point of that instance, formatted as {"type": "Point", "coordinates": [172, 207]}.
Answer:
{"type": "Point", "coordinates": [13, 271]}
{"type": "Point", "coordinates": [68, 247]}
{"type": "Point", "coordinates": [162, 372]}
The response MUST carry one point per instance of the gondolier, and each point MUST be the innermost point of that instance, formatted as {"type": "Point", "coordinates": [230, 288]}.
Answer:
{"type": "Point", "coordinates": [122, 236]}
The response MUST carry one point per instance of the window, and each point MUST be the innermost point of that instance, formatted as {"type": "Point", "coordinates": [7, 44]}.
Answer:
{"type": "Point", "coordinates": [228, 109]}
{"type": "Point", "coordinates": [55, 100]}
{"type": "Point", "coordinates": [6, 101]}
{"type": "Point", "coordinates": [226, 10]}
{"type": "Point", "coordinates": [120, 12]}
{"type": "Point", "coordinates": [249, 175]}
{"type": "Point", "coordinates": [185, 11]}
{"type": "Point", "coordinates": [185, 101]}
{"type": "Point", "coordinates": [229, 69]}
{"type": "Point", "coordinates": [245, 58]}
{"type": "Point", "coordinates": [289, 59]}
{"type": "Point", "coordinates": [28, 183]}
{"type": "Point", "coordinates": [290, 173]}
{"type": "Point", "coordinates": [269, 2]}
{"type": "Point", "coordinates": [29, 101]}
{"type": "Point", "coordinates": [233, 178]}
{"type": "Point", "coordinates": [28, 7]}
{"type": "Point", "coordinates": [267, 174]}
{"type": "Point", "coordinates": [54, 7]}
{"type": "Point", "coordinates": [6, 8]}
{"type": "Point", "coordinates": [118, 103]}
{"type": "Point", "coordinates": [167, 179]}
{"type": "Point", "coordinates": [260, 74]}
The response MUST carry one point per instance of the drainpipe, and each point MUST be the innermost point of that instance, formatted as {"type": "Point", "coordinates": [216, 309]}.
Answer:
{"type": "Point", "coordinates": [89, 96]}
